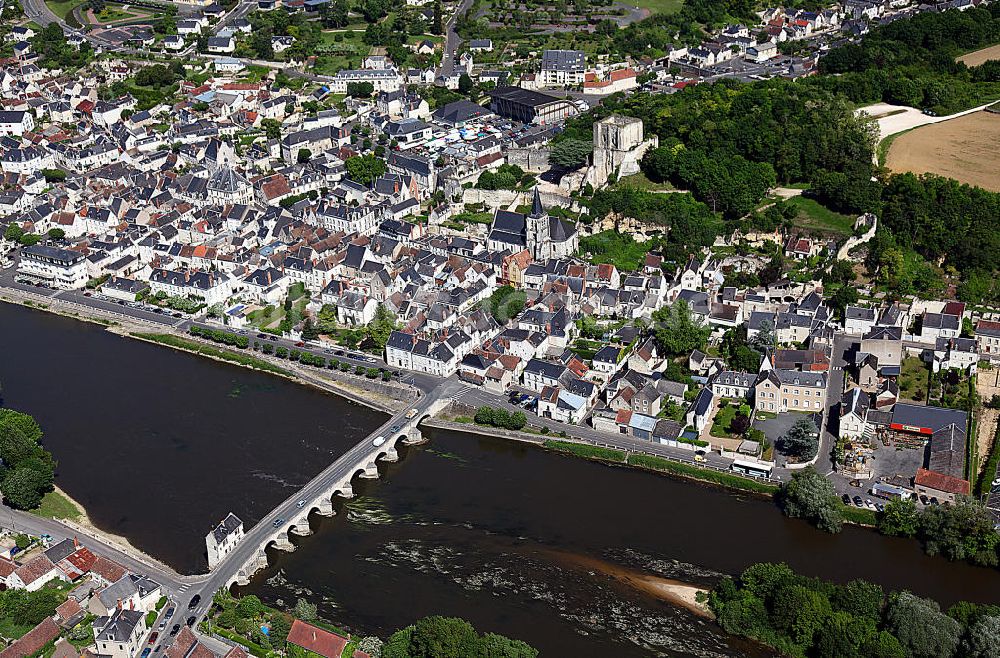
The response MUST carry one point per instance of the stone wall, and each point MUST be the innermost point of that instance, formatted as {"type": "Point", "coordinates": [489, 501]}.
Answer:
{"type": "Point", "coordinates": [533, 160]}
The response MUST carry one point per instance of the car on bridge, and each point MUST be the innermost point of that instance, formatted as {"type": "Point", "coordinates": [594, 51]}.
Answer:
{"type": "Point", "coordinates": [300, 504]}
{"type": "Point", "coordinates": [278, 522]}
{"type": "Point", "coordinates": [411, 413]}
{"type": "Point", "coordinates": [378, 440]}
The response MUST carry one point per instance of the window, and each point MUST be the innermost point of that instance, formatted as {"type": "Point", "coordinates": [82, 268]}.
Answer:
{"type": "Point", "coordinates": [796, 402]}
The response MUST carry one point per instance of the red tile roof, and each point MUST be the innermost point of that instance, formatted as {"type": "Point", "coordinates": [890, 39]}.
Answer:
{"type": "Point", "coordinates": [33, 640]}
{"type": "Point", "coordinates": [107, 569]}
{"type": "Point", "coordinates": [315, 639]}
{"type": "Point", "coordinates": [35, 569]}
{"type": "Point", "coordinates": [6, 568]}
{"type": "Point", "coordinates": [939, 482]}
{"type": "Point", "coordinates": [67, 609]}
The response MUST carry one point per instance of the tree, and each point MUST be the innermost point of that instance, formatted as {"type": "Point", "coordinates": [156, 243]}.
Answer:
{"type": "Point", "coordinates": [374, 10]}
{"type": "Point", "coordinates": [882, 645]}
{"type": "Point", "coordinates": [360, 89]}
{"type": "Point", "coordinates": [335, 14]}
{"type": "Point", "coordinates": [250, 607]}
{"type": "Point", "coordinates": [983, 638]}
{"type": "Point", "coordinates": [309, 330]}
{"type": "Point", "coordinates": [22, 488]}
{"type": "Point", "coordinates": [364, 169]}
{"type": "Point", "coordinates": [381, 326]}
{"type": "Point", "coordinates": [437, 24]}
{"type": "Point", "coordinates": [303, 156]}
{"type": "Point", "coordinates": [799, 612]}
{"type": "Point", "coordinates": [56, 234]}
{"type": "Point", "coordinates": [860, 598]}
{"type": "Point", "coordinates": [13, 233]}
{"type": "Point", "coordinates": [676, 330]}
{"type": "Point", "coordinates": [465, 84]}
{"type": "Point", "coordinates": [571, 153]}
{"type": "Point", "coordinates": [801, 440]}
{"type": "Point", "coordinates": [304, 610]}
{"type": "Point", "coordinates": [963, 531]}
{"type": "Point", "coordinates": [810, 496]}
{"type": "Point", "coordinates": [505, 303]}
{"type": "Point", "coordinates": [443, 637]}
{"type": "Point", "coordinates": [922, 629]}
{"type": "Point", "coordinates": [54, 175]}
{"type": "Point", "coordinates": [899, 518]}
{"type": "Point", "coordinates": [272, 127]}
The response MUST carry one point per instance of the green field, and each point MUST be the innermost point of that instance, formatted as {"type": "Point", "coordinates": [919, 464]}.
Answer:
{"type": "Point", "coordinates": [54, 505]}
{"type": "Point", "coordinates": [639, 181]}
{"type": "Point", "coordinates": [814, 216]}
{"type": "Point", "coordinates": [658, 6]}
{"type": "Point", "coordinates": [62, 8]}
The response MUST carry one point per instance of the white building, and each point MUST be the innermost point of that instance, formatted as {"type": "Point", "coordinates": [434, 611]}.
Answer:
{"type": "Point", "coordinates": [223, 539]}
{"type": "Point", "coordinates": [59, 268]}
{"type": "Point", "coordinates": [563, 67]}
{"type": "Point", "coordinates": [16, 122]}
{"type": "Point", "coordinates": [121, 634]}
{"type": "Point", "coordinates": [381, 79]}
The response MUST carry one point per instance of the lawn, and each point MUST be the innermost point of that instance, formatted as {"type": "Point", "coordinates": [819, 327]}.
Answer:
{"type": "Point", "coordinates": [617, 248]}
{"type": "Point", "coordinates": [63, 8]}
{"type": "Point", "coordinates": [814, 216]}
{"type": "Point", "coordinates": [658, 6]}
{"type": "Point", "coordinates": [913, 379]}
{"type": "Point", "coordinates": [210, 351]}
{"type": "Point", "coordinates": [720, 427]}
{"type": "Point", "coordinates": [54, 505]}
{"type": "Point", "coordinates": [639, 181]}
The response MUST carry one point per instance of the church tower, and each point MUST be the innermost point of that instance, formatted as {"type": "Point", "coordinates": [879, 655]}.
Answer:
{"type": "Point", "coordinates": [536, 228]}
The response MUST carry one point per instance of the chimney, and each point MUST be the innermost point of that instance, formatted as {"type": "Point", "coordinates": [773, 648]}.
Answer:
{"type": "Point", "coordinates": [76, 542]}
{"type": "Point", "coordinates": [119, 604]}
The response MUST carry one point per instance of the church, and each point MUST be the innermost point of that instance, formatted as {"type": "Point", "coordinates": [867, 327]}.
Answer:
{"type": "Point", "coordinates": [543, 236]}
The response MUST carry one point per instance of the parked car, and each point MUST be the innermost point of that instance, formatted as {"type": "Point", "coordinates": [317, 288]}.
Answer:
{"type": "Point", "coordinates": [858, 502]}
{"type": "Point", "coordinates": [170, 612]}
{"type": "Point", "coordinates": [847, 499]}
{"type": "Point", "coordinates": [146, 652]}
{"type": "Point", "coordinates": [152, 638]}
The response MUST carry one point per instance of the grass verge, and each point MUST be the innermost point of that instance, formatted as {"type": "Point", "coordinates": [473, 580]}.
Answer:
{"type": "Point", "coordinates": [588, 451]}
{"type": "Point", "coordinates": [716, 477]}
{"type": "Point", "coordinates": [207, 350]}
{"type": "Point", "coordinates": [54, 505]}
{"type": "Point", "coordinates": [882, 151]}
{"type": "Point", "coordinates": [858, 515]}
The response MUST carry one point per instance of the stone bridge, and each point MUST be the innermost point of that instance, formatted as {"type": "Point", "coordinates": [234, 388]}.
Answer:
{"type": "Point", "coordinates": [291, 517]}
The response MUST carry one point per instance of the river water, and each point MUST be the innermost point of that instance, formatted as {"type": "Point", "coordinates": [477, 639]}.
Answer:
{"type": "Point", "coordinates": [555, 550]}
{"type": "Point", "coordinates": [158, 445]}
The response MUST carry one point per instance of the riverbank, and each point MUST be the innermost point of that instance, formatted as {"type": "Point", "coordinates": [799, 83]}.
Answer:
{"type": "Point", "coordinates": [80, 521]}
{"type": "Point", "coordinates": [635, 460]}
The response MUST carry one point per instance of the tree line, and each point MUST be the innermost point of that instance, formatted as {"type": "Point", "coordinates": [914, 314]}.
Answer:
{"type": "Point", "coordinates": [803, 616]}
{"type": "Point", "coordinates": [960, 531]}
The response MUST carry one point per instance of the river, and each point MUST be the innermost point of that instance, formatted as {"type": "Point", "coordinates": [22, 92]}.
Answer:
{"type": "Point", "coordinates": [158, 445]}
{"type": "Point", "coordinates": [563, 553]}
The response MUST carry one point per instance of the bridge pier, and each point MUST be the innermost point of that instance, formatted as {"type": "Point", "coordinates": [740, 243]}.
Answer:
{"type": "Point", "coordinates": [414, 437]}
{"type": "Point", "coordinates": [325, 507]}
{"type": "Point", "coordinates": [346, 490]}
{"type": "Point", "coordinates": [371, 471]}
{"type": "Point", "coordinates": [391, 456]}
{"type": "Point", "coordinates": [252, 566]}
{"type": "Point", "coordinates": [302, 529]}
{"type": "Point", "coordinates": [283, 543]}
